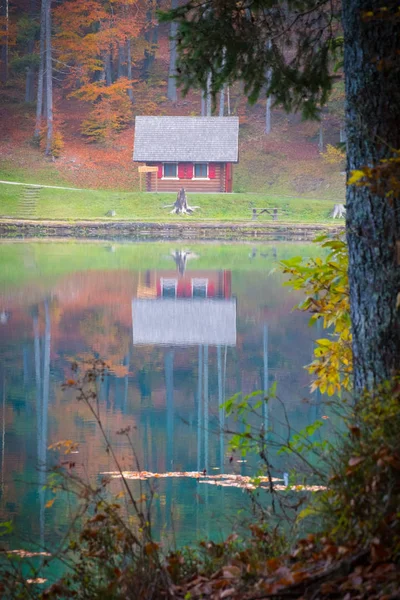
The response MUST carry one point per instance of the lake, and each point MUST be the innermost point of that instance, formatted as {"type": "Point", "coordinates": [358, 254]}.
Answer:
{"type": "Point", "coordinates": [181, 327]}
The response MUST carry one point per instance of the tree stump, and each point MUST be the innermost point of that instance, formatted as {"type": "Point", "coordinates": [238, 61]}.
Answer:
{"type": "Point", "coordinates": [339, 211]}
{"type": "Point", "coordinates": [181, 206]}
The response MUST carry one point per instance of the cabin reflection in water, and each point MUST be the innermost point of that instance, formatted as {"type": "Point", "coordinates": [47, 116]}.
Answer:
{"type": "Point", "coordinates": [191, 309]}
{"type": "Point", "coordinates": [195, 309]}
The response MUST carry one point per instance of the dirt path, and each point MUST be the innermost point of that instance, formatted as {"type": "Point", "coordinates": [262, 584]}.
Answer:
{"type": "Point", "coordinates": [51, 187]}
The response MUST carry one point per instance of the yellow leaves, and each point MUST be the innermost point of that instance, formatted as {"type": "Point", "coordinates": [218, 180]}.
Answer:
{"type": "Point", "coordinates": [355, 177]}
{"type": "Point", "coordinates": [332, 155]}
{"type": "Point", "coordinates": [69, 446]}
{"type": "Point", "coordinates": [50, 503]}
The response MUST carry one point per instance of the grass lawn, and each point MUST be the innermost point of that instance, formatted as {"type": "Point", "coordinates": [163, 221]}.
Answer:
{"type": "Point", "coordinates": [94, 204]}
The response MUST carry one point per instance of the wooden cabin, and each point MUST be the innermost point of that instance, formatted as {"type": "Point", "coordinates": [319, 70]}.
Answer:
{"type": "Point", "coordinates": [196, 153]}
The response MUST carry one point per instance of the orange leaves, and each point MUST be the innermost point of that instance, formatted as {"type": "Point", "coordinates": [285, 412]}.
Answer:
{"type": "Point", "coordinates": [112, 108]}
{"type": "Point", "coordinates": [151, 548]}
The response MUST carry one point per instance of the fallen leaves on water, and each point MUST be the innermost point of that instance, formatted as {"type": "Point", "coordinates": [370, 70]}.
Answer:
{"type": "Point", "coordinates": [223, 480]}
{"type": "Point", "coordinates": [25, 553]}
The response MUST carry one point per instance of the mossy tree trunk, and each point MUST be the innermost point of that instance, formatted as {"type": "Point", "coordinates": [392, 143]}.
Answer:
{"type": "Point", "coordinates": [371, 64]}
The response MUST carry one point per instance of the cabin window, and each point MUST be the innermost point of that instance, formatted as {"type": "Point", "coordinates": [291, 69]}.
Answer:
{"type": "Point", "coordinates": [169, 287]}
{"type": "Point", "coordinates": [170, 170]}
{"type": "Point", "coordinates": [199, 288]}
{"type": "Point", "coordinates": [201, 170]}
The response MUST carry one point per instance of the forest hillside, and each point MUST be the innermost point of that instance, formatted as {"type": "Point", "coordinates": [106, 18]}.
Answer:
{"type": "Point", "coordinates": [111, 62]}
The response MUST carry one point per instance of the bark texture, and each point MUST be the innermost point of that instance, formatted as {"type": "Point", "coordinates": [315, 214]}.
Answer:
{"type": "Point", "coordinates": [49, 82]}
{"type": "Point", "coordinates": [371, 63]}
{"type": "Point", "coordinates": [4, 13]}
{"type": "Point", "coordinates": [39, 102]}
{"type": "Point", "coordinates": [172, 91]}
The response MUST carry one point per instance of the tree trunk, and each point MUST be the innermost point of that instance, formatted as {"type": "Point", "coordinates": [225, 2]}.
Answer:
{"type": "Point", "coordinates": [129, 66]}
{"type": "Point", "coordinates": [29, 84]}
{"type": "Point", "coordinates": [268, 115]}
{"type": "Point", "coordinates": [222, 102]}
{"type": "Point", "coordinates": [30, 71]}
{"type": "Point", "coordinates": [373, 222]}
{"type": "Point", "coordinates": [321, 137]}
{"type": "Point", "coordinates": [208, 96]}
{"type": "Point", "coordinates": [4, 41]}
{"type": "Point", "coordinates": [108, 68]}
{"type": "Point", "coordinates": [269, 98]}
{"type": "Point", "coordinates": [342, 134]}
{"type": "Point", "coordinates": [49, 82]}
{"type": "Point", "coordinates": [39, 103]}
{"type": "Point", "coordinates": [151, 37]}
{"type": "Point", "coordinates": [203, 104]}
{"type": "Point", "coordinates": [121, 61]}
{"type": "Point", "coordinates": [172, 93]}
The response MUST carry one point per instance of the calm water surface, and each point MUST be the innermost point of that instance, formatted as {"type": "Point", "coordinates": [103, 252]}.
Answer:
{"type": "Point", "coordinates": [182, 327]}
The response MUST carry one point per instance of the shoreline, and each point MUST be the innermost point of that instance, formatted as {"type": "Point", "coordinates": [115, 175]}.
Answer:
{"type": "Point", "coordinates": [142, 230]}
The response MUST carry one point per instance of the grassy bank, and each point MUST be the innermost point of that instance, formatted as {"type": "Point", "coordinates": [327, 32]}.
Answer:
{"type": "Point", "coordinates": [71, 205]}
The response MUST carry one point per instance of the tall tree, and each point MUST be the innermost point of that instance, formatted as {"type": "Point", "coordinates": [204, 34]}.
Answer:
{"type": "Point", "coordinates": [40, 86]}
{"type": "Point", "coordinates": [49, 82]}
{"type": "Point", "coordinates": [301, 78]}
{"type": "Point", "coordinates": [30, 69]}
{"type": "Point", "coordinates": [4, 27]}
{"type": "Point", "coordinates": [172, 91]}
{"type": "Point", "coordinates": [372, 73]}
{"type": "Point", "coordinates": [151, 38]}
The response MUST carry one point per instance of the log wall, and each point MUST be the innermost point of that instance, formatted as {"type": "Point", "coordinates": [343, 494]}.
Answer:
{"type": "Point", "coordinates": [191, 185]}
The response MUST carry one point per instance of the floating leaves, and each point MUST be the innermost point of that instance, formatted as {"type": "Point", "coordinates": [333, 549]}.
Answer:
{"type": "Point", "coordinates": [25, 553]}
{"type": "Point", "coordinates": [223, 480]}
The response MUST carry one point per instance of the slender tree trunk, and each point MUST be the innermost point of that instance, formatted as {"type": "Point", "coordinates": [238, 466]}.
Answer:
{"type": "Point", "coordinates": [321, 137]}
{"type": "Point", "coordinates": [373, 221]}
{"type": "Point", "coordinates": [30, 71]}
{"type": "Point", "coordinates": [203, 104]}
{"type": "Point", "coordinates": [228, 100]}
{"type": "Point", "coordinates": [269, 98]}
{"type": "Point", "coordinates": [39, 103]}
{"type": "Point", "coordinates": [172, 92]}
{"type": "Point", "coordinates": [268, 115]}
{"type": "Point", "coordinates": [49, 82]}
{"type": "Point", "coordinates": [121, 61]}
{"type": "Point", "coordinates": [4, 41]}
{"type": "Point", "coordinates": [342, 134]}
{"type": "Point", "coordinates": [208, 96]}
{"type": "Point", "coordinates": [108, 68]}
{"type": "Point", "coordinates": [222, 102]}
{"type": "Point", "coordinates": [30, 84]}
{"type": "Point", "coordinates": [129, 66]}
{"type": "Point", "coordinates": [151, 37]}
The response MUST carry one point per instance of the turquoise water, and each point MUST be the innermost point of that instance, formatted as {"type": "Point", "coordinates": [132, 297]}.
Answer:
{"type": "Point", "coordinates": [181, 327]}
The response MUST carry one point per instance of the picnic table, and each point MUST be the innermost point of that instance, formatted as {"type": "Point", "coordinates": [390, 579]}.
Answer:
{"type": "Point", "coordinates": [274, 212]}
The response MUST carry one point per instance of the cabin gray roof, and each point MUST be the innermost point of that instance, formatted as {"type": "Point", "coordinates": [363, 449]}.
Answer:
{"type": "Point", "coordinates": [187, 321]}
{"type": "Point", "coordinates": [186, 139]}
